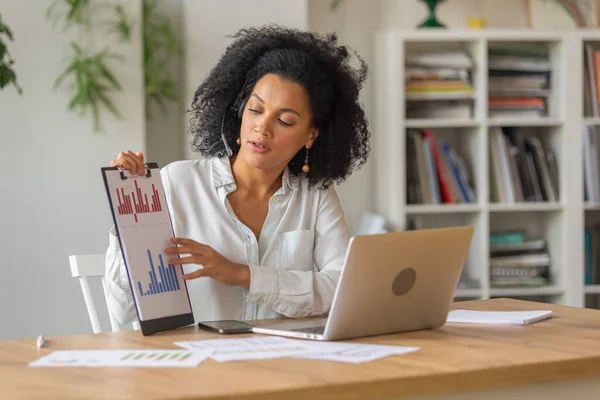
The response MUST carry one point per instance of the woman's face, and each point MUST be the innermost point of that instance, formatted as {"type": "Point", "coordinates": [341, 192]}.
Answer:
{"type": "Point", "coordinates": [276, 123]}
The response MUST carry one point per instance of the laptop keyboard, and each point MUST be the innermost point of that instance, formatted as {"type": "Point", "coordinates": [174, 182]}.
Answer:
{"type": "Point", "coordinates": [319, 330]}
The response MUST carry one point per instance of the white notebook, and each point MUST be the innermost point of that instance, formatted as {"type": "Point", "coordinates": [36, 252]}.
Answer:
{"type": "Point", "coordinates": [498, 317]}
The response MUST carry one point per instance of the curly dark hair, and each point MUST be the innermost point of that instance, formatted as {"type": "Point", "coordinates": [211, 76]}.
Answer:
{"type": "Point", "coordinates": [319, 65]}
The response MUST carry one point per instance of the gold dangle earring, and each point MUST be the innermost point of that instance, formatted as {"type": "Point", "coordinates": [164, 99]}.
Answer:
{"type": "Point", "coordinates": [238, 141]}
{"type": "Point", "coordinates": [305, 167]}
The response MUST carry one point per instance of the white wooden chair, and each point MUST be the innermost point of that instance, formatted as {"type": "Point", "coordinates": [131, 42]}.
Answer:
{"type": "Point", "coordinates": [92, 266]}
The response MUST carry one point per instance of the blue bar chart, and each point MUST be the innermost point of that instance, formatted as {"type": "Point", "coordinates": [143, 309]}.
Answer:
{"type": "Point", "coordinates": [165, 280]}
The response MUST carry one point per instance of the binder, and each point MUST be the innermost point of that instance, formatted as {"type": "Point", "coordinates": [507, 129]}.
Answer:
{"type": "Point", "coordinates": [144, 229]}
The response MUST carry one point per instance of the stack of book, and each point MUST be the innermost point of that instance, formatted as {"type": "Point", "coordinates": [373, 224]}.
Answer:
{"type": "Point", "coordinates": [521, 169]}
{"type": "Point", "coordinates": [515, 261]}
{"type": "Point", "coordinates": [435, 173]}
{"type": "Point", "coordinates": [518, 81]}
{"type": "Point", "coordinates": [591, 166]}
{"type": "Point", "coordinates": [439, 85]}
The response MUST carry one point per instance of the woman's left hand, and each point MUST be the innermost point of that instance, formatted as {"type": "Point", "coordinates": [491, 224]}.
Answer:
{"type": "Point", "coordinates": [215, 265]}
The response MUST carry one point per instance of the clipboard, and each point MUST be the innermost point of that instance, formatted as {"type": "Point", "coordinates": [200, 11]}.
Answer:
{"type": "Point", "coordinates": [144, 229]}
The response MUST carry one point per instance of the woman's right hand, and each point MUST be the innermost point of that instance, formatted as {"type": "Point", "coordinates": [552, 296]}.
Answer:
{"type": "Point", "coordinates": [134, 162]}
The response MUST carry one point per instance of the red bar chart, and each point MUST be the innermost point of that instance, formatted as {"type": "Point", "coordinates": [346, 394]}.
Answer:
{"type": "Point", "coordinates": [136, 202]}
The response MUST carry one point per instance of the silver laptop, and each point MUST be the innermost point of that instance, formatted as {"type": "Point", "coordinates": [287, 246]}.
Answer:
{"type": "Point", "coordinates": [390, 283]}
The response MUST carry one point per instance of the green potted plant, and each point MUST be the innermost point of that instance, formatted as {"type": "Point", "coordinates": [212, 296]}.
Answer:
{"type": "Point", "coordinates": [8, 75]}
{"type": "Point", "coordinates": [88, 75]}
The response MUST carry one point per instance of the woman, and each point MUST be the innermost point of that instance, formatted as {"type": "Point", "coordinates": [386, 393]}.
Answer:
{"type": "Point", "coordinates": [258, 224]}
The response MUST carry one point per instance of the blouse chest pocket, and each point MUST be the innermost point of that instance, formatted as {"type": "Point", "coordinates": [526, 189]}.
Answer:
{"type": "Point", "coordinates": [296, 250]}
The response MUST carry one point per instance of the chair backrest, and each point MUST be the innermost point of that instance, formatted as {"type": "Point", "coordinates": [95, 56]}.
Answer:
{"type": "Point", "coordinates": [92, 266]}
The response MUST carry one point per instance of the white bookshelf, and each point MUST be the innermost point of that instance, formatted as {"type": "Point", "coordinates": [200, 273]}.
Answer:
{"type": "Point", "coordinates": [561, 223]}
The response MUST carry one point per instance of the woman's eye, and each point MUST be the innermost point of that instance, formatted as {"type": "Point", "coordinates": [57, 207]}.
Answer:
{"type": "Point", "coordinates": [254, 111]}
{"type": "Point", "coordinates": [284, 123]}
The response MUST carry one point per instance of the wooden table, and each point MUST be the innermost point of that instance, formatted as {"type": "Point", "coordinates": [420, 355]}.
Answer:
{"type": "Point", "coordinates": [551, 359]}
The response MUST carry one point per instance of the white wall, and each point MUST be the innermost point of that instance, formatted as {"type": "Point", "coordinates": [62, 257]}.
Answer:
{"type": "Point", "coordinates": [52, 201]}
{"type": "Point", "coordinates": [207, 24]}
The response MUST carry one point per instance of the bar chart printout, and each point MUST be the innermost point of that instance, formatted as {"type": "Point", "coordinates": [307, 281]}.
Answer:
{"type": "Point", "coordinates": [121, 358]}
{"type": "Point", "coordinates": [144, 230]}
{"type": "Point", "coordinates": [163, 281]}
{"type": "Point", "coordinates": [137, 202]}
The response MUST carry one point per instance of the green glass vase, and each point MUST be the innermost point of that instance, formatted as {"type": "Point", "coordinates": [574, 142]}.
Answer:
{"type": "Point", "coordinates": [432, 21]}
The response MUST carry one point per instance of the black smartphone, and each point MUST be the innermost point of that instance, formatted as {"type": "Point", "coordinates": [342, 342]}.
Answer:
{"type": "Point", "coordinates": [226, 326]}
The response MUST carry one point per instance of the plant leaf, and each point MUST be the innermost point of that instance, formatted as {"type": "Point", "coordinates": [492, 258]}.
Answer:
{"type": "Point", "coordinates": [5, 77]}
{"type": "Point", "coordinates": [108, 104]}
{"type": "Point", "coordinates": [8, 33]}
{"type": "Point", "coordinates": [109, 76]}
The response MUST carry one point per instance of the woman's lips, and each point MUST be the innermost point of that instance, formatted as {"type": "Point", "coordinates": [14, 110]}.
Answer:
{"type": "Point", "coordinates": [257, 146]}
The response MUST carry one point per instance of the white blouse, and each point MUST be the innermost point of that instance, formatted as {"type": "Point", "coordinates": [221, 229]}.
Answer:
{"type": "Point", "coordinates": [294, 266]}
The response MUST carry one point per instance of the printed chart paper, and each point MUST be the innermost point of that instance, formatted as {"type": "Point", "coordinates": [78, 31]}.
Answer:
{"type": "Point", "coordinates": [247, 348]}
{"type": "Point", "coordinates": [144, 226]}
{"type": "Point", "coordinates": [354, 352]}
{"type": "Point", "coordinates": [258, 348]}
{"type": "Point", "coordinates": [121, 358]}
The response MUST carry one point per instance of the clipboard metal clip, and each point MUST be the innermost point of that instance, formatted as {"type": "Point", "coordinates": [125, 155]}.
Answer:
{"type": "Point", "coordinates": [123, 177]}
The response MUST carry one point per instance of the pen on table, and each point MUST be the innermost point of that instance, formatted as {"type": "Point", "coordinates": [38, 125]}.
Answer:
{"type": "Point", "coordinates": [40, 341]}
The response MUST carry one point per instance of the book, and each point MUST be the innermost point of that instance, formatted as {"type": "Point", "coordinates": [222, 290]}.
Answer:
{"type": "Point", "coordinates": [441, 59]}
{"type": "Point", "coordinates": [506, 238]}
{"type": "Point", "coordinates": [525, 247]}
{"type": "Point", "coordinates": [498, 317]}
{"type": "Point", "coordinates": [519, 81]}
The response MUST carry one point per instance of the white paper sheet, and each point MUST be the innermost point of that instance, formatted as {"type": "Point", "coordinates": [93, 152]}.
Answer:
{"type": "Point", "coordinates": [353, 352]}
{"type": "Point", "coordinates": [258, 348]}
{"type": "Point", "coordinates": [497, 317]}
{"type": "Point", "coordinates": [121, 358]}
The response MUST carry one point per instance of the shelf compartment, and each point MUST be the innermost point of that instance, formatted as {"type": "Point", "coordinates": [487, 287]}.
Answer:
{"type": "Point", "coordinates": [455, 152]}
{"type": "Point", "coordinates": [535, 97]}
{"type": "Point", "coordinates": [526, 166]}
{"type": "Point", "coordinates": [432, 92]}
{"type": "Point", "coordinates": [532, 226]}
